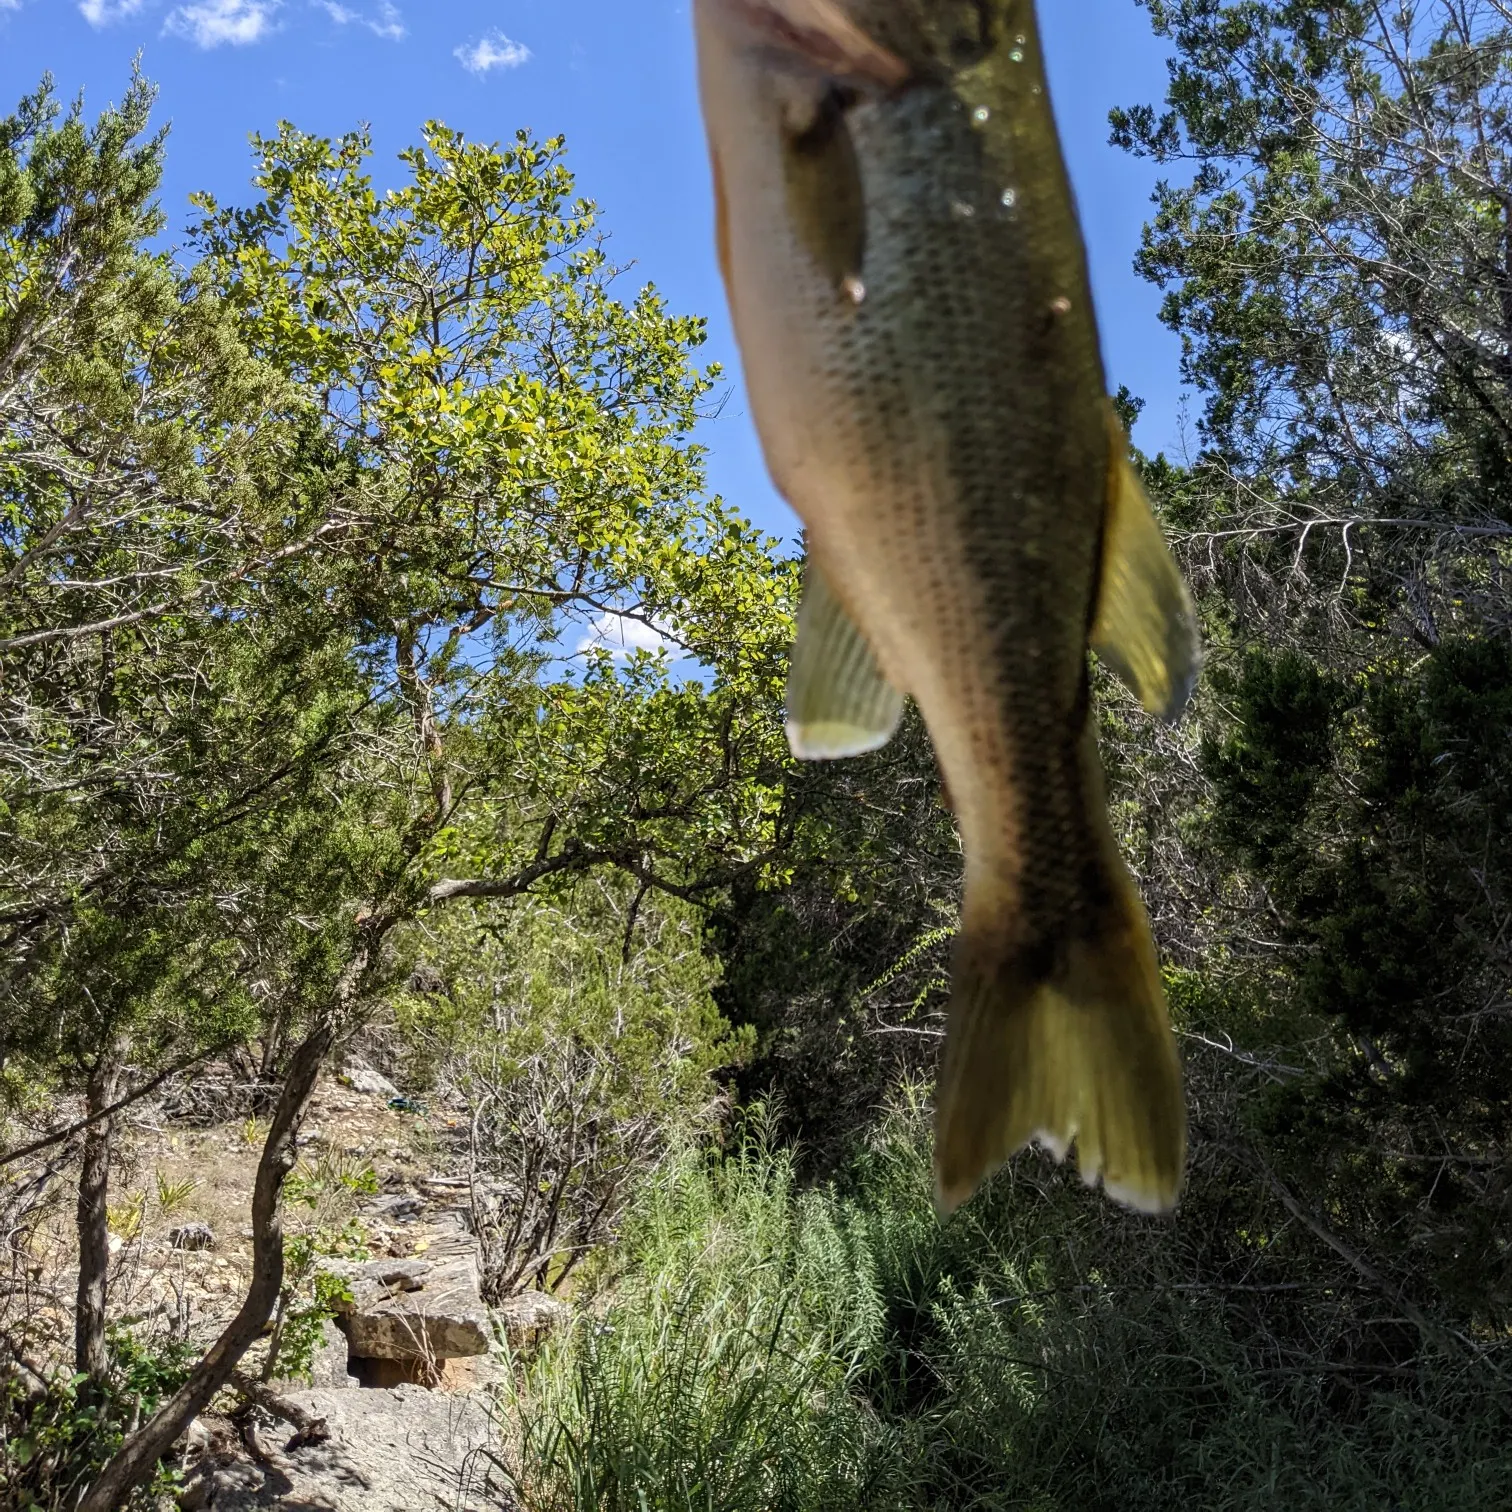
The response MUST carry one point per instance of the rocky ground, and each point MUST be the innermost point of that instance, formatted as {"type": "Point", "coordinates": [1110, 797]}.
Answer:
{"type": "Point", "coordinates": [396, 1411]}
{"type": "Point", "coordinates": [398, 1450]}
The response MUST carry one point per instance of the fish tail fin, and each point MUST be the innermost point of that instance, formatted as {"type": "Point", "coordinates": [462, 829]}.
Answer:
{"type": "Point", "coordinates": [1082, 1050]}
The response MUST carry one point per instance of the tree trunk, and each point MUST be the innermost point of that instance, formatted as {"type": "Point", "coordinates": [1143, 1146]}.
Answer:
{"type": "Point", "coordinates": [139, 1455]}
{"type": "Point", "coordinates": [136, 1459]}
{"type": "Point", "coordinates": [94, 1232]}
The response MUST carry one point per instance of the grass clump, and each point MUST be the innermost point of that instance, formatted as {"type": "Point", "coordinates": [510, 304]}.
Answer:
{"type": "Point", "coordinates": [725, 1373]}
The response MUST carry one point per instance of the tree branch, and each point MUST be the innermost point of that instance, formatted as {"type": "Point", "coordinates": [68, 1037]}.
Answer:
{"type": "Point", "coordinates": [10, 1156]}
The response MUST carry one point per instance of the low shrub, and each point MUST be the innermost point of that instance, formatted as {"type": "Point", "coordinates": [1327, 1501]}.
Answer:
{"type": "Point", "coordinates": [55, 1434]}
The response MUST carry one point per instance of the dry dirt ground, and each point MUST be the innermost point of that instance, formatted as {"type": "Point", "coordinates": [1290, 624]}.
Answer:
{"type": "Point", "coordinates": [169, 1174]}
{"type": "Point", "coordinates": [406, 1447]}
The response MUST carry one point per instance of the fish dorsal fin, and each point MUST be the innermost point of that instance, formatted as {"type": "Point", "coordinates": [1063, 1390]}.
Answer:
{"type": "Point", "coordinates": [1145, 630]}
{"type": "Point", "coordinates": [838, 702]}
{"type": "Point", "coordinates": [820, 35]}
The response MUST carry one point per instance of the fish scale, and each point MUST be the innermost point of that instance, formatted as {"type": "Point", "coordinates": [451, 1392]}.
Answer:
{"type": "Point", "coordinates": [909, 289]}
{"type": "Point", "coordinates": [903, 349]}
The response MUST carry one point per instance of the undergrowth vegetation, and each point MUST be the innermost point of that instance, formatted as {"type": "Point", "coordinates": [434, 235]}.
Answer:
{"type": "Point", "coordinates": [767, 1346]}
{"type": "Point", "coordinates": [56, 1434]}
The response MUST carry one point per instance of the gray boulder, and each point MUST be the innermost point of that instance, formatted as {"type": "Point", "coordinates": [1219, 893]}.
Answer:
{"type": "Point", "coordinates": [387, 1451]}
{"type": "Point", "coordinates": [362, 1078]}
{"type": "Point", "coordinates": [423, 1308]}
{"type": "Point", "coordinates": [529, 1318]}
{"type": "Point", "coordinates": [192, 1236]}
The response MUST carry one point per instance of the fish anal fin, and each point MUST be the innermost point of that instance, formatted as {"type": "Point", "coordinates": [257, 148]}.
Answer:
{"type": "Point", "coordinates": [1085, 1054]}
{"type": "Point", "coordinates": [1145, 628]}
{"type": "Point", "coordinates": [818, 34]}
{"type": "Point", "coordinates": [838, 701]}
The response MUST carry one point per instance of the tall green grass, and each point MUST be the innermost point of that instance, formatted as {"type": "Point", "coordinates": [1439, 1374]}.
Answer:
{"type": "Point", "coordinates": [725, 1375]}
{"type": "Point", "coordinates": [768, 1348]}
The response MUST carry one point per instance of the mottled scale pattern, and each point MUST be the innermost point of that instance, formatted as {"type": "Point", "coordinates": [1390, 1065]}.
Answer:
{"type": "Point", "coordinates": [962, 405]}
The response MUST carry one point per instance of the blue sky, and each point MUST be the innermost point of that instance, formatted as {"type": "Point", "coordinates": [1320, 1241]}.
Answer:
{"type": "Point", "coordinates": [616, 77]}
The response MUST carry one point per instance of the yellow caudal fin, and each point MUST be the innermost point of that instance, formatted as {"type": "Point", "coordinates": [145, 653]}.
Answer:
{"type": "Point", "coordinates": [1084, 1053]}
{"type": "Point", "coordinates": [1145, 629]}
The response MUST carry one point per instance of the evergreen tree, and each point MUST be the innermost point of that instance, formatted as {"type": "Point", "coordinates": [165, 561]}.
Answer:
{"type": "Point", "coordinates": [1336, 266]}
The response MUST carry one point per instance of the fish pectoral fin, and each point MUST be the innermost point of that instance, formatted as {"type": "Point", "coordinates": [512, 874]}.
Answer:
{"type": "Point", "coordinates": [838, 701]}
{"type": "Point", "coordinates": [825, 196]}
{"type": "Point", "coordinates": [819, 34]}
{"type": "Point", "coordinates": [1145, 629]}
{"type": "Point", "coordinates": [825, 63]}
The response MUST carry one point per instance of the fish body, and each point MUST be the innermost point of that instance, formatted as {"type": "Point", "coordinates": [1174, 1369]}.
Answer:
{"type": "Point", "coordinates": [909, 290]}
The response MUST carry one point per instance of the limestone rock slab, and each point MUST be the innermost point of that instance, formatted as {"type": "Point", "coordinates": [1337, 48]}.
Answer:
{"type": "Point", "coordinates": [424, 1308]}
{"type": "Point", "coordinates": [530, 1318]}
{"type": "Point", "coordinates": [389, 1451]}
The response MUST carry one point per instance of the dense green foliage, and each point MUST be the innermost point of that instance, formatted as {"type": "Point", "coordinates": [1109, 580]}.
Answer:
{"type": "Point", "coordinates": [53, 1439]}
{"type": "Point", "coordinates": [1335, 264]}
{"type": "Point", "coordinates": [770, 1347]}
{"type": "Point", "coordinates": [312, 547]}
{"type": "Point", "coordinates": [307, 657]}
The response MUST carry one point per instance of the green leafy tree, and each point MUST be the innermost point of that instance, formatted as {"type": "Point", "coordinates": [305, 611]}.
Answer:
{"type": "Point", "coordinates": [312, 548]}
{"type": "Point", "coordinates": [1336, 265]}
{"type": "Point", "coordinates": [134, 533]}
{"type": "Point", "coordinates": [1335, 262]}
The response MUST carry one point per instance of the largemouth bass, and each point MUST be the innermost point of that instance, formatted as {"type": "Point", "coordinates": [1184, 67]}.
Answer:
{"type": "Point", "coordinates": [909, 291]}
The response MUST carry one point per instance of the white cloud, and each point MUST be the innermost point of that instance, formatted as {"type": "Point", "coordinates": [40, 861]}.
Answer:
{"type": "Point", "coordinates": [490, 52]}
{"type": "Point", "coordinates": [215, 21]}
{"type": "Point", "coordinates": [624, 637]}
{"type": "Point", "coordinates": [96, 12]}
{"type": "Point", "coordinates": [388, 23]}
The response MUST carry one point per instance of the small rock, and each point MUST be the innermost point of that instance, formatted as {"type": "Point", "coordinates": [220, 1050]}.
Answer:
{"type": "Point", "coordinates": [398, 1209]}
{"type": "Point", "coordinates": [426, 979]}
{"type": "Point", "coordinates": [362, 1078]}
{"type": "Point", "coordinates": [192, 1236]}
{"type": "Point", "coordinates": [530, 1317]}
